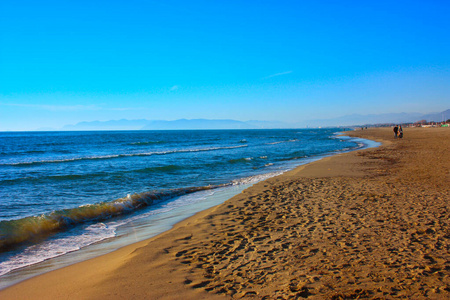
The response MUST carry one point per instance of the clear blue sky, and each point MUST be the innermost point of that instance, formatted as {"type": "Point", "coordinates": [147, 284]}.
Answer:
{"type": "Point", "coordinates": [62, 62]}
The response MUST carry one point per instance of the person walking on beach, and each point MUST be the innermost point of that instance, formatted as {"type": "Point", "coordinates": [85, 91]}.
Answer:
{"type": "Point", "coordinates": [400, 132]}
{"type": "Point", "coordinates": [395, 131]}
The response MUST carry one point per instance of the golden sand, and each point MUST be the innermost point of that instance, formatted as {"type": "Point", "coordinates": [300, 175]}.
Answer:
{"type": "Point", "coordinates": [369, 224]}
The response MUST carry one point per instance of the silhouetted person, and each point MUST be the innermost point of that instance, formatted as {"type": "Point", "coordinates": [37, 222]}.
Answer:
{"type": "Point", "coordinates": [395, 131]}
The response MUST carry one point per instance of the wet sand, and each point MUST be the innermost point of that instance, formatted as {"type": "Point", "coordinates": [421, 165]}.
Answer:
{"type": "Point", "coordinates": [367, 224]}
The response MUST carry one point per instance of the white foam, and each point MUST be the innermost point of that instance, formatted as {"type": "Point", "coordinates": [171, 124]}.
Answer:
{"type": "Point", "coordinates": [82, 236]}
{"type": "Point", "coordinates": [122, 155]}
{"type": "Point", "coordinates": [280, 142]}
{"type": "Point", "coordinates": [256, 178]}
{"type": "Point", "coordinates": [68, 242]}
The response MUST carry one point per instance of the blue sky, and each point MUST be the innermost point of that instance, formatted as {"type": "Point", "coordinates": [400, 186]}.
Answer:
{"type": "Point", "coordinates": [62, 62]}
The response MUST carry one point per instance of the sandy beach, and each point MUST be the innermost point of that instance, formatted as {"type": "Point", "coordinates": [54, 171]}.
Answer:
{"type": "Point", "coordinates": [372, 224]}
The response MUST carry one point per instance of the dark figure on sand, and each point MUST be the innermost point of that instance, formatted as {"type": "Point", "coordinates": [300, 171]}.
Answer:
{"type": "Point", "coordinates": [400, 132]}
{"type": "Point", "coordinates": [395, 131]}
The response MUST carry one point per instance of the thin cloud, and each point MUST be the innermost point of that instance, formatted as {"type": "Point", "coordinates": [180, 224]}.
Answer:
{"type": "Point", "coordinates": [277, 74]}
{"type": "Point", "coordinates": [56, 107]}
{"type": "Point", "coordinates": [174, 88]}
{"type": "Point", "coordinates": [124, 108]}
{"type": "Point", "coordinates": [70, 107]}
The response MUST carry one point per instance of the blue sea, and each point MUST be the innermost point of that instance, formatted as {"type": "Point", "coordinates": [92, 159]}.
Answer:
{"type": "Point", "coordinates": [65, 192]}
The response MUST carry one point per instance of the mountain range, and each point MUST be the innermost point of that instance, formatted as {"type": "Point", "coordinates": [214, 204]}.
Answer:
{"type": "Point", "coordinates": [349, 120]}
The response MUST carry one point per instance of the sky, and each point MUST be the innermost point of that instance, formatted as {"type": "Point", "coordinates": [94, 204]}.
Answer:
{"type": "Point", "coordinates": [63, 62]}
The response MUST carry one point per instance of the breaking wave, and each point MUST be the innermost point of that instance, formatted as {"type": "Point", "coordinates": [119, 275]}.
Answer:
{"type": "Point", "coordinates": [103, 157]}
{"type": "Point", "coordinates": [15, 232]}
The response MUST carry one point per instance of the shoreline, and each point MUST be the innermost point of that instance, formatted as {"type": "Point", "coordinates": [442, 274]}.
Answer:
{"type": "Point", "coordinates": [257, 244]}
{"type": "Point", "coordinates": [107, 246]}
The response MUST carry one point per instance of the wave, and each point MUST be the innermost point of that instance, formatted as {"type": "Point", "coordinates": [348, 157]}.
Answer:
{"type": "Point", "coordinates": [16, 232]}
{"type": "Point", "coordinates": [68, 177]}
{"type": "Point", "coordinates": [52, 178]}
{"type": "Point", "coordinates": [167, 168]}
{"type": "Point", "coordinates": [240, 160]}
{"type": "Point", "coordinates": [32, 152]}
{"type": "Point", "coordinates": [280, 142]}
{"type": "Point", "coordinates": [22, 152]}
{"type": "Point", "coordinates": [103, 157]}
{"type": "Point", "coordinates": [294, 158]}
{"type": "Point", "coordinates": [255, 178]}
{"type": "Point", "coordinates": [147, 143]}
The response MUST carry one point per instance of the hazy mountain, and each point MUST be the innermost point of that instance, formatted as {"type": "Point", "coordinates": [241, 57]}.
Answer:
{"type": "Point", "coordinates": [357, 119]}
{"type": "Point", "coordinates": [108, 125]}
{"type": "Point", "coordinates": [437, 117]}
{"type": "Point", "coordinates": [198, 124]}
{"type": "Point", "coordinates": [349, 120]}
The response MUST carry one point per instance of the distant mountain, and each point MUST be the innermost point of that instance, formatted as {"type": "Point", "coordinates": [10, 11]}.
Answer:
{"type": "Point", "coordinates": [349, 120]}
{"type": "Point", "coordinates": [160, 125]}
{"type": "Point", "coordinates": [355, 119]}
{"type": "Point", "coordinates": [437, 117]}
{"type": "Point", "coordinates": [198, 124]}
{"type": "Point", "coordinates": [108, 125]}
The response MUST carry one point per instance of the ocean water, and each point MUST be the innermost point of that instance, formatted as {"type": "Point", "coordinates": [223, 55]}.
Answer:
{"type": "Point", "coordinates": [61, 192]}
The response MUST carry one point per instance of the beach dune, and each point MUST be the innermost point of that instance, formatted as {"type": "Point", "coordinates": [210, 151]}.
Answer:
{"type": "Point", "coordinates": [370, 224]}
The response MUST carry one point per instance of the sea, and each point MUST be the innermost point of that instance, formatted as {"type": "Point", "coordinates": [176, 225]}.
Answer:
{"type": "Point", "coordinates": [69, 196]}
